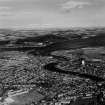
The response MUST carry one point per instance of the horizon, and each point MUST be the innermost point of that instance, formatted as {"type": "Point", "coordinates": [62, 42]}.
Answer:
{"type": "Point", "coordinates": [55, 28]}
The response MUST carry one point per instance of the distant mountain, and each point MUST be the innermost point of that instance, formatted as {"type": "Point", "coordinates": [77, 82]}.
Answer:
{"type": "Point", "coordinates": [96, 41]}
{"type": "Point", "coordinates": [43, 39]}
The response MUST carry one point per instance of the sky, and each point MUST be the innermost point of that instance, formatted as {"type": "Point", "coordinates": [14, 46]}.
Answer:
{"type": "Point", "coordinates": [51, 13]}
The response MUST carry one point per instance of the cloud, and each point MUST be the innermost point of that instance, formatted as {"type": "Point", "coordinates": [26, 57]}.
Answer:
{"type": "Point", "coordinates": [5, 14]}
{"type": "Point", "coordinates": [5, 11]}
{"type": "Point", "coordinates": [4, 0]}
{"type": "Point", "coordinates": [34, 26]}
{"type": "Point", "coordinates": [3, 8]}
{"type": "Point", "coordinates": [8, 0]}
{"type": "Point", "coordinates": [74, 4]}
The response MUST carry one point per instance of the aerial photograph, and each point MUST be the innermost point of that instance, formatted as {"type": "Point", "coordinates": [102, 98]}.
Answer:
{"type": "Point", "coordinates": [52, 52]}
